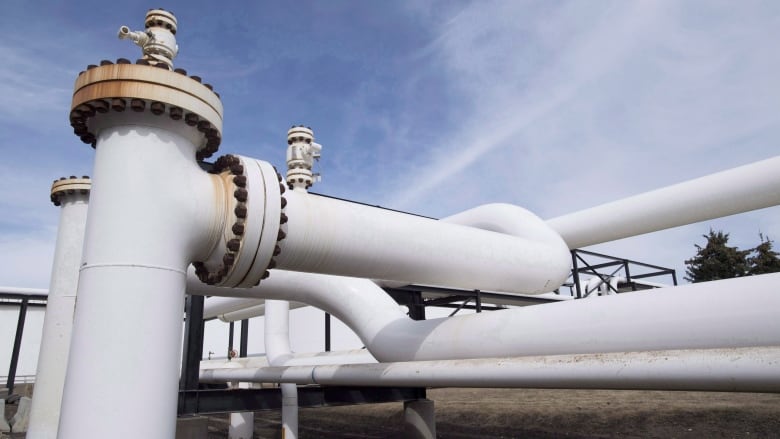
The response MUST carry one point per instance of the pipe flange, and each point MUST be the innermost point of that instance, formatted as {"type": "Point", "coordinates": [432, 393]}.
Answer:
{"type": "Point", "coordinates": [67, 187]}
{"type": "Point", "coordinates": [251, 227]}
{"type": "Point", "coordinates": [121, 86]}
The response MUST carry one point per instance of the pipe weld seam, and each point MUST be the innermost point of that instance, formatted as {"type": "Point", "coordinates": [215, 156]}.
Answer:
{"type": "Point", "coordinates": [313, 379]}
{"type": "Point", "coordinates": [127, 265]}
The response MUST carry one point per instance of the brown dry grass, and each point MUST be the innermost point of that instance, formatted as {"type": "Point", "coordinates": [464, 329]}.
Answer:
{"type": "Point", "coordinates": [531, 413]}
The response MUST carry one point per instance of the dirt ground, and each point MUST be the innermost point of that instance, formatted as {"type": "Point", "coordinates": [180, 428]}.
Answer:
{"type": "Point", "coordinates": [523, 413]}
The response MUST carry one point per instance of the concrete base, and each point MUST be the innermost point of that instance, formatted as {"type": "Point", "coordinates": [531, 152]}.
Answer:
{"type": "Point", "coordinates": [21, 419]}
{"type": "Point", "coordinates": [419, 419]}
{"type": "Point", "coordinates": [192, 427]}
{"type": "Point", "coordinates": [4, 427]}
{"type": "Point", "coordinates": [241, 425]}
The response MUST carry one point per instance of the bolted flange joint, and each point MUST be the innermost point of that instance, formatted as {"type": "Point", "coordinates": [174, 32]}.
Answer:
{"type": "Point", "coordinates": [66, 188]}
{"type": "Point", "coordinates": [124, 88]}
{"type": "Point", "coordinates": [252, 225]}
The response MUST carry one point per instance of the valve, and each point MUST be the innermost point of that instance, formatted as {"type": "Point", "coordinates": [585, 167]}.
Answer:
{"type": "Point", "coordinates": [302, 151]}
{"type": "Point", "coordinates": [158, 41]}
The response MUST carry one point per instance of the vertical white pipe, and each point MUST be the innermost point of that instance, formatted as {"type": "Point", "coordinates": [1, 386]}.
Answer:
{"type": "Point", "coordinates": [58, 321]}
{"type": "Point", "coordinates": [150, 206]}
{"type": "Point", "coordinates": [278, 352]}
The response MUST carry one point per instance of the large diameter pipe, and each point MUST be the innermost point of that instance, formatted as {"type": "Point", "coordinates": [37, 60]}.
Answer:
{"type": "Point", "coordinates": [325, 235]}
{"type": "Point", "coordinates": [150, 208]}
{"type": "Point", "coordinates": [750, 187]}
{"type": "Point", "coordinates": [72, 195]}
{"type": "Point", "coordinates": [723, 314]}
{"type": "Point", "coordinates": [750, 369]}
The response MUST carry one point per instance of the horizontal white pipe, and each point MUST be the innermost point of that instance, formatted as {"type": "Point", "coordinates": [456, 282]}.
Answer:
{"type": "Point", "coordinates": [353, 356]}
{"type": "Point", "coordinates": [25, 291]}
{"type": "Point", "coordinates": [750, 187]}
{"type": "Point", "coordinates": [252, 311]}
{"type": "Point", "coordinates": [730, 313]}
{"type": "Point", "coordinates": [330, 236]}
{"type": "Point", "coordinates": [750, 369]}
{"type": "Point", "coordinates": [216, 306]}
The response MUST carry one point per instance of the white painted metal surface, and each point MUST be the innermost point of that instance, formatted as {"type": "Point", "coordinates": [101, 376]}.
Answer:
{"type": "Point", "coordinates": [730, 313]}
{"type": "Point", "coordinates": [58, 321]}
{"type": "Point", "coordinates": [278, 352]}
{"type": "Point", "coordinates": [741, 189]}
{"type": "Point", "coordinates": [141, 234]}
{"type": "Point", "coordinates": [330, 236]}
{"type": "Point", "coordinates": [751, 369]}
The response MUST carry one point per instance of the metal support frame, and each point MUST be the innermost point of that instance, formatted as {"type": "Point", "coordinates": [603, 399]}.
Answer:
{"type": "Point", "coordinates": [581, 265]}
{"type": "Point", "coordinates": [230, 340]}
{"type": "Point", "coordinates": [327, 332]}
{"type": "Point", "coordinates": [17, 345]}
{"type": "Point", "coordinates": [243, 347]}
{"type": "Point", "coordinates": [193, 343]}
{"type": "Point", "coordinates": [192, 402]}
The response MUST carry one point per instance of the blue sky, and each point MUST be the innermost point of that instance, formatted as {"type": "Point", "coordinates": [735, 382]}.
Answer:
{"type": "Point", "coordinates": [430, 107]}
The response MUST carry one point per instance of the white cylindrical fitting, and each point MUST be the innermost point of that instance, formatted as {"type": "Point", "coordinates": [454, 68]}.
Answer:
{"type": "Point", "coordinates": [152, 211]}
{"type": "Point", "coordinates": [73, 197]}
{"type": "Point", "coordinates": [325, 235]}
{"type": "Point", "coordinates": [741, 189]}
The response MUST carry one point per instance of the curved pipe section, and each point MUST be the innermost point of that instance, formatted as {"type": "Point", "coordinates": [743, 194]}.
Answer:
{"type": "Point", "coordinates": [330, 236]}
{"type": "Point", "coordinates": [666, 318]}
{"type": "Point", "coordinates": [750, 187]}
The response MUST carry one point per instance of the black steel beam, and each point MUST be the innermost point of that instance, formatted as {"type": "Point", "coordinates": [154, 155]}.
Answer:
{"type": "Point", "coordinates": [17, 346]}
{"type": "Point", "coordinates": [193, 343]}
{"type": "Point", "coordinates": [327, 332]}
{"type": "Point", "coordinates": [193, 402]}
{"type": "Point", "coordinates": [244, 347]}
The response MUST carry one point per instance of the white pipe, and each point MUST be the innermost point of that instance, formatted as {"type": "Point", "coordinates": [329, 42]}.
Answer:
{"type": "Point", "coordinates": [216, 306]}
{"type": "Point", "coordinates": [251, 312]}
{"type": "Point", "coordinates": [152, 212]}
{"type": "Point", "coordinates": [58, 320]}
{"type": "Point", "coordinates": [748, 369]}
{"type": "Point", "coordinates": [729, 313]}
{"type": "Point", "coordinates": [278, 352]}
{"type": "Point", "coordinates": [330, 236]}
{"type": "Point", "coordinates": [750, 187]}
{"type": "Point", "coordinates": [353, 356]}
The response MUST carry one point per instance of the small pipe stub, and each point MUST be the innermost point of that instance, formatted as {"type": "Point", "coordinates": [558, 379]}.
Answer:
{"type": "Point", "coordinates": [158, 41]}
{"type": "Point", "coordinates": [67, 187]}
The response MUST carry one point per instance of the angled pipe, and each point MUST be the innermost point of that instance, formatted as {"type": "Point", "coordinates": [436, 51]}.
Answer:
{"type": "Point", "coordinates": [724, 314]}
{"type": "Point", "coordinates": [741, 189]}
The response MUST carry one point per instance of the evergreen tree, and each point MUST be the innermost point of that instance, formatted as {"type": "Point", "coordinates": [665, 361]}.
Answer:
{"type": "Point", "coordinates": [765, 260]}
{"type": "Point", "coordinates": [716, 260]}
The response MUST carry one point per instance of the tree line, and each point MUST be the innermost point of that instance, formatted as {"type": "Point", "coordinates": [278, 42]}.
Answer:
{"type": "Point", "coordinates": [717, 260]}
